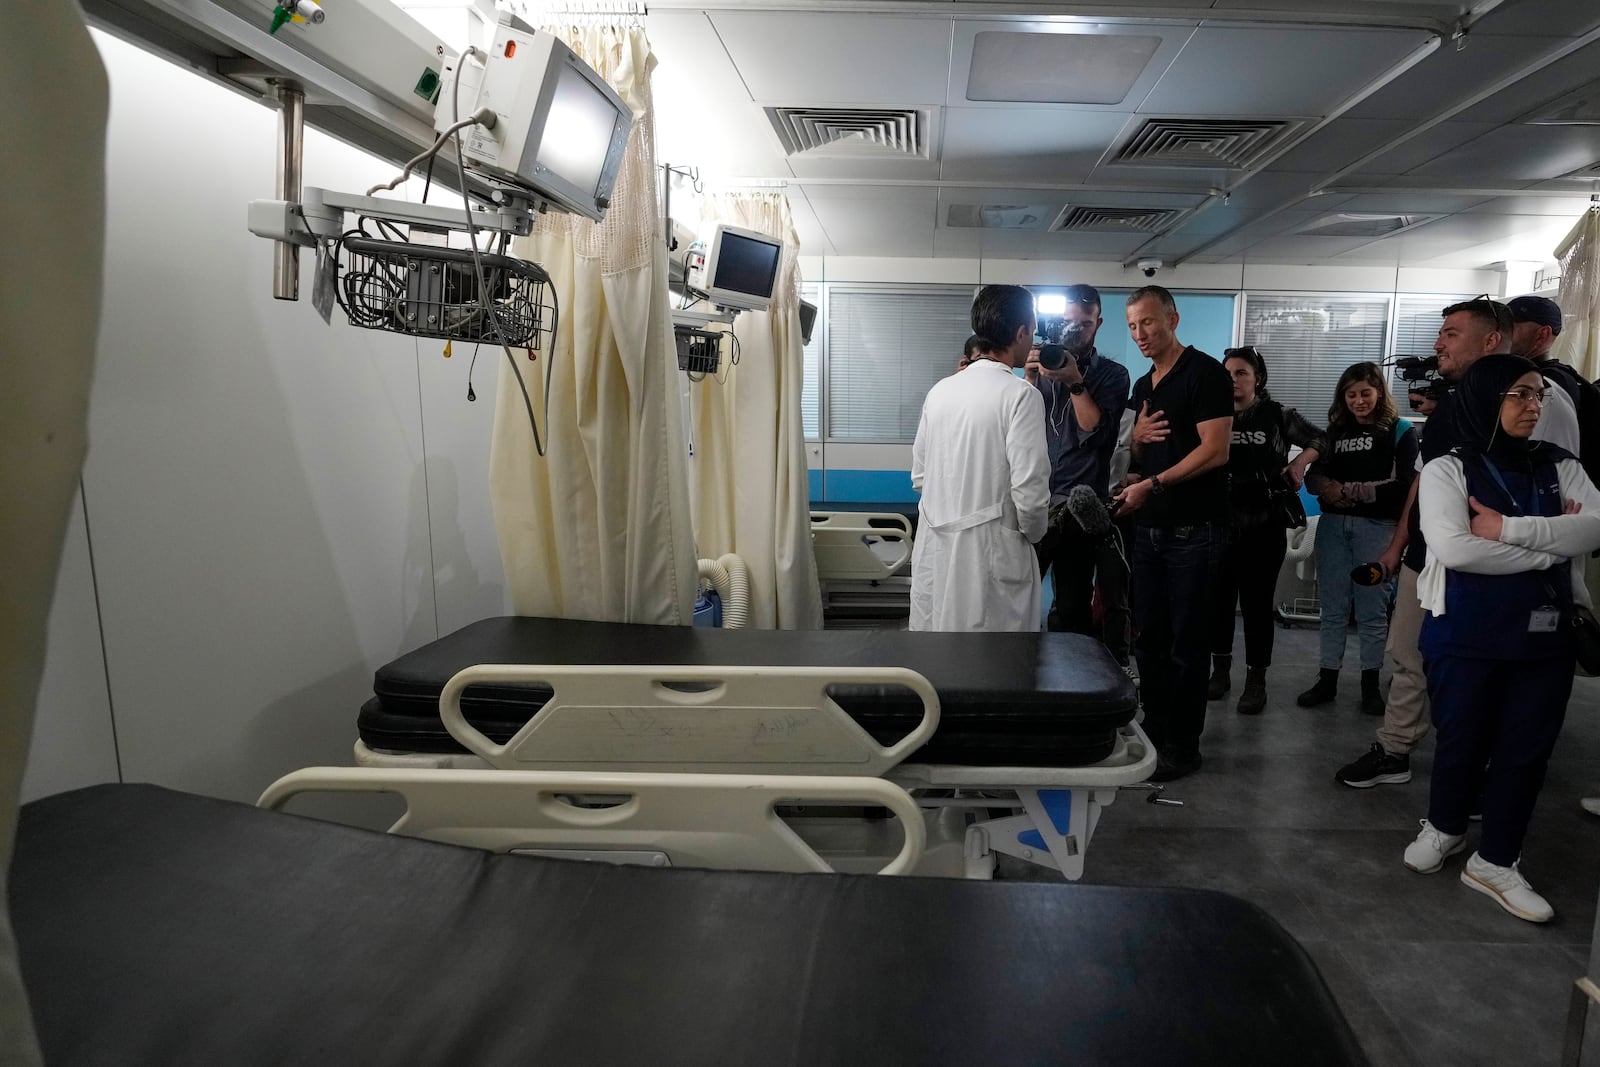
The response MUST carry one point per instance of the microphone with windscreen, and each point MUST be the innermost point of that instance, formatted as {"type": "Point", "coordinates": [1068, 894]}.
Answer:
{"type": "Point", "coordinates": [1369, 574]}
{"type": "Point", "coordinates": [1086, 509]}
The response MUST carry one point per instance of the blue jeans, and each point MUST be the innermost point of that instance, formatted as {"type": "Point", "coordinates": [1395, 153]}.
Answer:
{"type": "Point", "coordinates": [1174, 583]}
{"type": "Point", "coordinates": [1344, 543]}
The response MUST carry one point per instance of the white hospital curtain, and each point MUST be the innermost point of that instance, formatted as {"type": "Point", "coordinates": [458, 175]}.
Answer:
{"type": "Point", "coordinates": [752, 494]}
{"type": "Point", "coordinates": [599, 527]}
{"type": "Point", "coordinates": [1579, 343]}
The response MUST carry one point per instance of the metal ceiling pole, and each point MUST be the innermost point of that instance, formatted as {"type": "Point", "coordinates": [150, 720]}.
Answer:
{"type": "Point", "coordinates": [291, 156]}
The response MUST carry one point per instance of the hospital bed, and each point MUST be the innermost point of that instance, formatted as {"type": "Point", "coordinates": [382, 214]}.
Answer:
{"type": "Point", "coordinates": [1010, 744]}
{"type": "Point", "coordinates": [863, 565]}
{"type": "Point", "coordinates": [163, 928]}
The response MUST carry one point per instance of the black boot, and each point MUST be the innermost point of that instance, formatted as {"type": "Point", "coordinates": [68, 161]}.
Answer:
{"type": "Point", "coordinates": [1371, 698]}
{"type": "Point", "coordinates": [1220, 682]}
{"type": "Point", "coordinates": [1323, 692]}
{"type": "Point", "coordinates": [1253, 701]}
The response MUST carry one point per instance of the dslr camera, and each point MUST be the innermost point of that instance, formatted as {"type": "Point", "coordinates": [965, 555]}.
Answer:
{"type": "Point", "coordinates": [1058, 340]}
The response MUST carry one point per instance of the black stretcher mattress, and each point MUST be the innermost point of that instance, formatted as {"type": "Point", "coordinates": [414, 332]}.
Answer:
{"type": "Point", "coordinates": [1048, 699]}
{"type": "Point", "coordinates": [164, 928]}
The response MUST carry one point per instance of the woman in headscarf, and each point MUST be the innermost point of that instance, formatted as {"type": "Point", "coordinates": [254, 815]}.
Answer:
{"type": "Point", "coordinates": [1503, 516]}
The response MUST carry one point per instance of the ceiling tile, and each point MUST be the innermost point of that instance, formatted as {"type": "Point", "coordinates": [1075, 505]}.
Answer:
{"type": "Point", "coordinates": [1424, 147]}
{"type": "Point", "coordinates": [1511, 154]}
{"type": "Point", "coordinates": [1540, 18]}
{"type": "Point", "coordinates": [1339, 142]}
{"type": "Point", "coordinates": [1563, 206]}
{"type": "Point", "coordinates": [694, 79]}
{"type": "Point", "coordinates": [1448, 76]}
{"type": "Point", "coordinates": [879, 226]}
{"type": "Point", "coordinates": [983, 144]}
{"type": "Point", "coordinates": [1563, 76]}
{"type": "Point", "coordinates": [837, 59]}
{"type": "Point", "coordinates": [1281, 72]}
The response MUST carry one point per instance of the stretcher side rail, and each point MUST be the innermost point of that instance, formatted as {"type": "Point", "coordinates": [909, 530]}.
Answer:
{"type": "Point", "coordinates": [859, 547]}
{"type": "Point", "coordinates": [718, 821]}
{"type": "Point", "coordinates": [752, 720]}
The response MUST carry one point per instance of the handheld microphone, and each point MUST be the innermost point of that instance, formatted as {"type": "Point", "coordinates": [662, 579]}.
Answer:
{"type": "Point", "coordinates": [1084, 505]}
{"type": "Point", "coordinates": [1369, 574]}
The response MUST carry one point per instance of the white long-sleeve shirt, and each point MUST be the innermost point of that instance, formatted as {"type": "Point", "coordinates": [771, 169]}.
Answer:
{"type": "Point", "coordinates": [1527, 542]}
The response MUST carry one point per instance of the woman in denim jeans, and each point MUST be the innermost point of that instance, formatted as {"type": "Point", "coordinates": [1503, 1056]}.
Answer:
{"type": "Point", "coordinates": [1361, 481]}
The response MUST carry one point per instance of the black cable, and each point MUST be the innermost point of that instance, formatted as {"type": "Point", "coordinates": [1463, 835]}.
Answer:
{"type": "Point", "coordinates": [427, 182]}
{"type": "Point", "coordinates": [483, 292]}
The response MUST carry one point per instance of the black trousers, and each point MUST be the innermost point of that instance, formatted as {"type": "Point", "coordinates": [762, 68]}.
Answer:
{"type": "Point", "coordinates": [1079, 566]}
{"type": "Point", "coordinates": [1174, 586]}
{"type": "Point", "coordinates": [1248, 578]}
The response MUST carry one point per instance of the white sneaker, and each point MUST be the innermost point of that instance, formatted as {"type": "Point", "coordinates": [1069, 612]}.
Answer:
{"type": "Point", "coordinates": [1507, 886]}
{"type": "Point", "coordinates": [1431, 848]}
{"type": "Point", "coordinates": [1591, 805]}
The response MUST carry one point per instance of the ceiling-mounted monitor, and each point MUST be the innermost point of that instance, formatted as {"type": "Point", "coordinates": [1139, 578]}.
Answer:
{"type": "Point", "coordinates": [561, 131]}
{"type": "Point", "coordinates": [808, 321]}
{"type": "Point", "coordinates": [740, 268]}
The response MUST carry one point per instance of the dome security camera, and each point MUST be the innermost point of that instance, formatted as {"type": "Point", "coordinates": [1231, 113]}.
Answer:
{"type": "Point", "coordinates": [1150, 266]}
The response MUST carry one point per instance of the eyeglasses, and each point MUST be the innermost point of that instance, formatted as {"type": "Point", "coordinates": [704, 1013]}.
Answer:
{"type": "Point", "coordinates": [1527, 396]}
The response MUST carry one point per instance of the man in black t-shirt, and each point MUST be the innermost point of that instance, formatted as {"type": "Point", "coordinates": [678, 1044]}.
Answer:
{"type": "Point", "coordinates": [1179, 502]}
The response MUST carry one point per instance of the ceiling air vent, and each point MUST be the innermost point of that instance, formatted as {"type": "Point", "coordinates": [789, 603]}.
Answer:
{"type": "Point", "coordinates": [1114, 219]}
{"type": "Point", "coordinates": [1231, 143]}
{"type": "Point", "coordinates": [998, 216]}
{"type": "Point", "coordinates": [854, 132]}
{"type": "Point", "coordinates": [1347, 225]}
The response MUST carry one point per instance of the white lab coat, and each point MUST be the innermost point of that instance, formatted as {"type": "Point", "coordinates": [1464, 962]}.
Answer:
{"type": "Point", "coordinates": [983, 469]}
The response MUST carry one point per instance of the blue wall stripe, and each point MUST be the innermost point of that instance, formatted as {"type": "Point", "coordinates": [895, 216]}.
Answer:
{"type": "Point", "coordinates": [865, 487]}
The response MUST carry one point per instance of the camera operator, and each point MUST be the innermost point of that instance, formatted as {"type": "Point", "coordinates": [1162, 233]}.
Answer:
{"type": "Point", "coordinates": [1083, 400]}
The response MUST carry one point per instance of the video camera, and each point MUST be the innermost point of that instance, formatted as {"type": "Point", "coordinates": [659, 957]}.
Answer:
{"type": "Point", "coordinates": [1421, 376]}
{"type": "Point", "coordinates": [1057, 339]}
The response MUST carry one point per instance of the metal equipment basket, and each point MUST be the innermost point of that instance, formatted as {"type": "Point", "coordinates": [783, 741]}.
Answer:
{"type": "Point", "coordinates": [428, 291]}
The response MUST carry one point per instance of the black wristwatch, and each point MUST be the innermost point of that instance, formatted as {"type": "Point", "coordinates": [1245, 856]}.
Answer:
{"type": "Point", "coordinates": [1157, 486]}
{"type": "Point", "coordinates": [1076, 388]}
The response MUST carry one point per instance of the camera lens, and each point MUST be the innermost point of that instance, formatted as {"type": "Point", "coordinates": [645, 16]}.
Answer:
{"type": "Point", "coordinates": [1052, 357]}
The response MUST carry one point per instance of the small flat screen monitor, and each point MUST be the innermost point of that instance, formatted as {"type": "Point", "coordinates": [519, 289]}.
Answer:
{"type": "Point", "coordinates": [808, 321]}
{"type": "Point", "coordinates": [741, 268]}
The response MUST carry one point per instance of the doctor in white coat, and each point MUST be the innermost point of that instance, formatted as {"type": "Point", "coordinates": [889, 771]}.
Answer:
{"type": "Point", "coordinates": [983, 469]}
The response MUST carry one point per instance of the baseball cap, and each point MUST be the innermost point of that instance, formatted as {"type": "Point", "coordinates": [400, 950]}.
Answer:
{"type": "Point", "coordinates": [1540, 309]}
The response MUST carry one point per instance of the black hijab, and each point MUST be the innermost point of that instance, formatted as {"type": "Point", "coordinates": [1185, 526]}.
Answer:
{"type": "Point", "coordinates": [1476, 412]}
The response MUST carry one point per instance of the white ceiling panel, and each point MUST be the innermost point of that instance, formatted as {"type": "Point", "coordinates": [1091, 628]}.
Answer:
{"type": "Point", "coordinates": [1449, 76]}
{"type": "Point", "coordinates": [1518, 154]}
{"type": "Point", "coordinates": [813, 238]}
{"type": "Point", "coordinates": [1302, 249]}
{"type": "Point", "coordinates": [1423, 148]}
{"type": "Point", "coordinates": [1275, 72]}
{"type": "Point", "coordinates": [1407, 202]}
{"type": "Point", "coordinates": [1563, 76]}
{"type": "Point", "coordinates": [805, 165]}
{"type": "Point", "coordinates": [1564, 206]}
{"type": "Point", "coordinates": [1540, 18]}
{"type": "Point", "coordinates": [703, 115]}
{"type": "Point", "coordinates": [1338, 143]}
{"type": "Point", "coordinates": [984, 144]}
{"type": "Point", "coordinates": [920, 194]}
{"type": "Point", "coordinates": [878, 226]}
{"type": "Point", "coordinates": [837, 59]}
{"type": "Point", "coordinates": [1173, 38]}
{"type": "Point", "coordinates": [1001, 244]}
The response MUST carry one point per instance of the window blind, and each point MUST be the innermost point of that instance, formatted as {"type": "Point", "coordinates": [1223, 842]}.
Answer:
{"type": "Point", "coordinates": [1308, 339]}
{"type": "Point", "coordinates": [885, 351]}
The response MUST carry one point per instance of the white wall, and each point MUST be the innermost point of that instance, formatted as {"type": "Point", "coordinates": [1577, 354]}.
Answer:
{"type": "Point", "coordinates": [278, 507]}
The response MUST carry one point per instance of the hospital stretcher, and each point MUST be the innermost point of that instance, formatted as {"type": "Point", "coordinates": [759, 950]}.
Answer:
{"type": "Point", "coordinates": [1038, 727]}
{"type": "Point", "coordinates": [163, 928]}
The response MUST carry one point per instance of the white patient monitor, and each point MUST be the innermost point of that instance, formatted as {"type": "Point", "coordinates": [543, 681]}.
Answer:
{"type": "Point", "coordinates": [560, 129]}
{"type": "Point", "coordinates": [740, 268]}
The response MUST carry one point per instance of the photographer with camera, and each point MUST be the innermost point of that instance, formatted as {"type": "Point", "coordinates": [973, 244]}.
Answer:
{"type": "Point", "coordinates": [1084, 394]}
{"type": "Point", "coordinates": [1264, 491]}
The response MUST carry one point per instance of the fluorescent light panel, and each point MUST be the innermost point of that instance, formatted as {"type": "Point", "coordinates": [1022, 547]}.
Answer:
{"type": "Point", "coordinates": [1057, 68]}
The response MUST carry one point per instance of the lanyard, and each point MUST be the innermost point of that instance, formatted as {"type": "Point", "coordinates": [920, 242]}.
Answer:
{"type": "Point", "coordinates": [1533, 489]}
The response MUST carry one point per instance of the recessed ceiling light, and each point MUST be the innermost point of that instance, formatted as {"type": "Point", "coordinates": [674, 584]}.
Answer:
{"type": "Point", "coordinates": [1057, 68]}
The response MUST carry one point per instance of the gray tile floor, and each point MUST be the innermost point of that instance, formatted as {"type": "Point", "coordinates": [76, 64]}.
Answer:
{"type": "Point", "coordinates": [1426, 970]}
